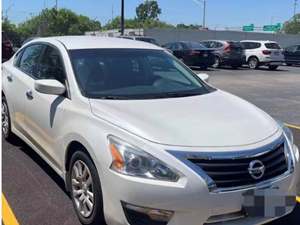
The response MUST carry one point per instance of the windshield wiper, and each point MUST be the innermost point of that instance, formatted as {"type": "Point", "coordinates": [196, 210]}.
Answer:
{"type": "Point", "coordinates": [180, 94]}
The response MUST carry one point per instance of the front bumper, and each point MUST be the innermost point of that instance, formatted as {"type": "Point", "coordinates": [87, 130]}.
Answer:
{"type": "Point", "coordinates": [189, 198]}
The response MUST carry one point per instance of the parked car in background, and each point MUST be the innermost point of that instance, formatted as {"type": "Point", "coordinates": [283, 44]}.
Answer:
{"type": "Point", "coordinates": [227, 53]}
{"type": "Point", "coordinates": [192, 53]}
{"type": "Point", "coordinates": [7, 47]}
{"type": "Point", "coordinates": [292, 55]}
{"type": "Point", "coordinates": [263, 53]}
{"type": "Point", "coordinates": [141, 38]}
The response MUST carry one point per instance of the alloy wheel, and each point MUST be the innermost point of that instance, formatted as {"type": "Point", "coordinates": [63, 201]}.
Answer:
{"type": "Point", "coordinates": [5, 119]}
{"type": "Point", "coordinates": [82, 188]}
{"type": "Point", "coordinates": [253, 63]}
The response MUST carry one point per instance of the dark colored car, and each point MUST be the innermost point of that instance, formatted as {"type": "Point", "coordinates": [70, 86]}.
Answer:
{"type": "Point", "coordinates": [292, 55]}
{"type": "Point", "coordinates": [192, 53]}
{"type": "Point", "coordinates": [141, 38]}
{"type": "Point", "coordinates": [7, 48]}
{"type": "Point", "coordinates": [228, 53]}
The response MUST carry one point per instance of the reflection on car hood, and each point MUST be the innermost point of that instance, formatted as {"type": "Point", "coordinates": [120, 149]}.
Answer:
{"type": "Point", "coordinates": [218, 119]}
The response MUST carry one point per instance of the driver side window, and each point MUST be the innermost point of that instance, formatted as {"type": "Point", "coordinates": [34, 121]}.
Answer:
{"type": "Point", "coordinates": [51, 65]}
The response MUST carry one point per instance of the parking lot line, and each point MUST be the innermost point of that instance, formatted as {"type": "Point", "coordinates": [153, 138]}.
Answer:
{"type": "Point", "coordinates": [292, 126]}
{"type": "Point", "coordinates": [8, 216]}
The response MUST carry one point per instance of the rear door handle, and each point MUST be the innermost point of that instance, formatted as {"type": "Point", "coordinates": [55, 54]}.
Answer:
{"type": "Point", "coordinates": [29, 94]}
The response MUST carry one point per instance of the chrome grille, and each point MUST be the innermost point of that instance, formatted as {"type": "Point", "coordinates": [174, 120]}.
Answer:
{"type": "Point", "coordinates": [230, 172]}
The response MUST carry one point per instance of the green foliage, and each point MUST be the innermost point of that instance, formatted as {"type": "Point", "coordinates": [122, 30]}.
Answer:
{"type": "Point", "coordinates": [292, 26]}
{"type": "Point", "coordinates": [149, 10]}
{"type": "Point", "coordinates": [11, 31]}
{"type": "Point", "coordinates": [135, 23]}
{"type": "Point", "coordinates": [191, 26]}
{"type": "Point", "coordinates": [52, 22]}
{"type": "Point", "coordinates": [115, 23]}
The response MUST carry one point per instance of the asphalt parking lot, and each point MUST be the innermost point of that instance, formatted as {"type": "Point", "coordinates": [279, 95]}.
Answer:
{"type": "Point", "coordinates": [37, 196]}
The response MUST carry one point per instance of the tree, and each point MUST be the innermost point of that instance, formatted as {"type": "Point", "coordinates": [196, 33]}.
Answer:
{"type": "Point", "coordinates": [149, 10]}
{"type": "Point", "coordinates": [191, 26]}
{"type": "Point", "coordinates": [115, 24]}
{"type": "Point", "coordinates": [293, 25]}
{"type": "Point", "coordinates": [52, 22]}
{"type": "Point", "coordinates": [135, 23]}
{"type": "Point", "coordinates": [11, 31]}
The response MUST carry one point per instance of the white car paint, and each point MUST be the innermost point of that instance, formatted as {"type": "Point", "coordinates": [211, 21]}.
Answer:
{"type": "Point", "coordinates": [212, 123]}
{"type": "Point", "coordinates": [275, 58]}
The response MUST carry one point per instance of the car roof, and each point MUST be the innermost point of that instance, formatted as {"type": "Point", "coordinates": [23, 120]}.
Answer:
{"type": "Point", "coordinates": [137, 36]}
{"type": "Point", "coordinates": [92, 42]}
{"type": "Point", "coordinates": [259, 41]}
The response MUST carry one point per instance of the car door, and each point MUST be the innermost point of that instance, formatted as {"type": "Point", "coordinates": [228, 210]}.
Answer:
{"type": "Point", "coordinates": [44, 113]}
{"type": "Point", "coordinates": [289, 53]}
{"type": "Point", "coordinates": [16, 78]}
{"type": "Point", "coordinates": [297, 54]}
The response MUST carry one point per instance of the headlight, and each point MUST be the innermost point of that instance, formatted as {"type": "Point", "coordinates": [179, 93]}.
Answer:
{"type": "Point", "coordinates": [132, 161]}
{"type": "Point", "coordinates": [290, 138]}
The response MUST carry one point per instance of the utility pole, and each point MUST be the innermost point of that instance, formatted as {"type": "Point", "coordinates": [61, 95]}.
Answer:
{"type": "Point", "coordinates": [56, 4]}
{"type": "Point", "coordinates": [122, 17]}
{"type": "Point", "coordinates": [203, 4]}
{"type": "Point", "coordinates": [295, 8]}
{"type": "Point", "coordinates": [204, 14]}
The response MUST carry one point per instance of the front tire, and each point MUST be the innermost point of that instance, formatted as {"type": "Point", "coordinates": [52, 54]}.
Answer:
{"type": "Point", "coordinates": [85, 189]}
{"type": "Point", "coordinates": [6, 122]}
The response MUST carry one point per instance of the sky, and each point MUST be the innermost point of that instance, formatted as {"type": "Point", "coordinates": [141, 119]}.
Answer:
{"type": "Point", "coordinates": [220, 13]}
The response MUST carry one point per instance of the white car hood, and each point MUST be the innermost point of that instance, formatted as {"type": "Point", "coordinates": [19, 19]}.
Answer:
{"type": "Point", "coordinates": [217, 119]}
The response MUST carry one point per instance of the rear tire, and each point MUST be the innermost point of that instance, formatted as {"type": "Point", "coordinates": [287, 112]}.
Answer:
{"type": "Point", "coordinates": [6, 122]}
{"type": "Point", "coordinates": [273, 67]}
{"type": "Point", "coordinates": [253, 63]}
{"type": "Point", "coordinates": [85, 189]}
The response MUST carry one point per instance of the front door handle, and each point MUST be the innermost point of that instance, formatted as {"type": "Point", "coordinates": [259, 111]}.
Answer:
{"type": "Point", "coordinates": [9, 78]}
{"type": "Point", "coordinates": [29, 94]}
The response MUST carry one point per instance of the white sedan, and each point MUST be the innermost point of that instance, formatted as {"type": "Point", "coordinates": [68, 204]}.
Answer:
{"type": "Point", "coordinates": [140, 139]}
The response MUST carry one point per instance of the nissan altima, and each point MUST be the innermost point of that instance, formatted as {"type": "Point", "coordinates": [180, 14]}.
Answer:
{"type": "Point", "coordinates": [140, 139]}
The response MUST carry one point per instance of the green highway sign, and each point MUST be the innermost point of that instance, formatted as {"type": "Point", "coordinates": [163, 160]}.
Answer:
{"type": "Point", "coordinates": [275, 27]}
{"type": "Point", "coordinates": [248, 27]}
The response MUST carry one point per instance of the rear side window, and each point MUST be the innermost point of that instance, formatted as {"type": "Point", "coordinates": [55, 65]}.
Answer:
{"type": "Point", "coordinates": [30, 59]}
{"type": "Point", "coordinates": [272, 46]}
{"type": "Point", "coordinates": [235, 45]}
{"type": "Point", "coordinates": [250, 45]}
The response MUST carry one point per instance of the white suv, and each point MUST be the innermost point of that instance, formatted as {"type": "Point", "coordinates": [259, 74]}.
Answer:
{"type": "Point", "coordinates": [263, 53]}
{"type": "Point", "coordinates": [140, 139]}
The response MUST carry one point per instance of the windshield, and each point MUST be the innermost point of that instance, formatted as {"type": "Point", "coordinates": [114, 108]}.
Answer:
{"type": "Point", "coordinates": [133, 74]}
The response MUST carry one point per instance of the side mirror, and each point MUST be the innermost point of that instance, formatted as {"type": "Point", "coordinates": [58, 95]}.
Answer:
{"type": "Point", "coordinates": [50, 87]}
{"type": "Point", "coordinates": [203, 76]}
